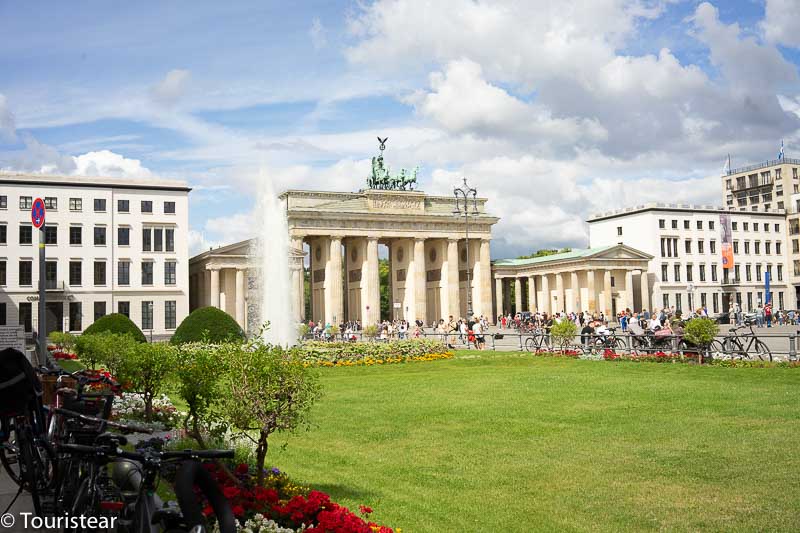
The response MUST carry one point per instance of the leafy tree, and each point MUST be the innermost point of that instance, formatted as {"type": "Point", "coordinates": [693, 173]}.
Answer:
{"type": "Point", "coordinates": [150, 366]}
{"type": "Point", "coordinates": [199, 369]}
{"type": "Point", "coordinates": [544, 252]}
{"type": "Point", "coordinates": [384, 272]}
{"type": "Point", "coordinates": [564, 333]}
{"type": "Point", "coordinates": [108, 349]}
{"type": "Point", "coordinates": [116, 323]}
{"type": "Point", "coordinates": [267, 389]}
{"type": "Point", "coordinates": [207, 324]}
{"type": "Point", "coordinates": [63, 340]}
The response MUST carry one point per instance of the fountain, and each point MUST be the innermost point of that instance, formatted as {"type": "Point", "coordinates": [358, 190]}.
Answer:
{"type": "Point", "coordinates": [273, 254]}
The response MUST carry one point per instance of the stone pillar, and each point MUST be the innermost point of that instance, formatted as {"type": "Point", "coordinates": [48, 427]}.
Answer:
{"type": "Point", "coordinates": [546, 298]}
{"type": "Point", "coordinates": [607, 293]}
{"type": "Point", "coordinates": [498, 296]}
{"type": "Point", "coordinates": [334, 303]}
{"type": "Point", "coordinates": [483, 282]}
{"type": "Point", "coordinates": [575, 297]}
{"type": "Point", "coordinates": [506, 296]}
{"type": "Point", "coordinates": [591, 304]}
{"type": "Point", "coordinates": [531, 294]}
{"type": "Point", "coordinates": [453, 292]}
{"type": "Point", "coordinates": [370, 285]}
{"type": "Point", "coordinates": [645, 288]}
{"type": "Point", "coordinates": [214, 291]}
{"type": "Point", "coordinates": [559, 293]}
{"type": "Point", "coordinates": [628, 289]}
{"type": "Point", "coordinates": [518, 295]}
{"type": "Point", "coordinates": [240, 294]}
{"type": "Point", "coordinates": [420, 282]}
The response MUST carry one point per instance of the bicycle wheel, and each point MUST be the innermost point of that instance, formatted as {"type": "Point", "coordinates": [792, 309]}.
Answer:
{"type": "Point", "coordinates": [530, 344]}
{"type": "Point", "coordinates": [618, 345]}
{"type": "Point", "coordinates": [717, 348]}
{"type": "Point", "coordinates": [28, 471]}
{"type": "Point", "coordinates": [762, 352]}
{"type": "Point", "coordinates": [9, 456]}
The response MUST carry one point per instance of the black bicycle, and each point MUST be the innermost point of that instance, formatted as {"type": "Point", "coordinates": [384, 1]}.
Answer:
{"type": "Point", "coordinates": [742, 345]}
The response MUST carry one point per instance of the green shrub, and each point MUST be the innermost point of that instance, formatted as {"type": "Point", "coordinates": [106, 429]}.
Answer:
{"type": "Point", "coordinates": [330, 353]}
{"type": "Point", "coordinates": [116, 323]}
{"type": "Point", "coordinates": [302, 331]}
{"type": "Point", "coordinates": [207, 324]}
{"type": "Point", "coordinates": [564, 333]}
{"type": "Point", "coordinates": [371, 331]}
{"type": "Point", "coordinates": [198, 370]}
{"type": "Point", "coordinates": [701, 331]}
{"type": "Point", "coordinates": [63, 340]}
{"type": "Point", "coordinates": [110, 350]}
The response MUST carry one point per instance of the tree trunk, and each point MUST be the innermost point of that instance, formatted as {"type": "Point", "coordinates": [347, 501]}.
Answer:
{"type": "Point", "coordinates": [148, 406]}
{"type": "Point", "coordinates": [196, 434]}
{"type": "Point", "coordinates": [261, 456]}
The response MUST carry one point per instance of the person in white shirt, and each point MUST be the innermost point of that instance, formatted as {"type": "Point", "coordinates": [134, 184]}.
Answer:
{"type": "Point", "coordinates": [477, 330]}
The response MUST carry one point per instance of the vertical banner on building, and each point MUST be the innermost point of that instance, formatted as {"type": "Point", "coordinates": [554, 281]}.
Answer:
{"type": "Point", "coordinates": [727, 241]}
{"type": "Point", "coordinates": [767, 299]}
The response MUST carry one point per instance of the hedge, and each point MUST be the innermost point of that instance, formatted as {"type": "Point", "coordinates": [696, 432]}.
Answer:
{"type": "Point", "coordinates": [116, 323]}
{"type": "Point", "coordinates": [207, 324]}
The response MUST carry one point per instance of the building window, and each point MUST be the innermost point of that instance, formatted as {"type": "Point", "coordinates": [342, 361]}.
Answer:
{"type": "Point", "coordinates": [147, 315]}
{"type": "Point", "coordinates": [758, 272]}
{"type": "Point", "coordinates": [26, 234]}
{"type": "Point", "coordinates": [75, 316]}
{"type": "Point", "coordinates": [675, 247]}
{"type": "Point", "coordinates": [124, 273]}
{"type": "Point", "coordinates": [170, 269]}
{"type": "Point", "coordinates": [124, 308]}
{"type": "Point", "coordinates": [123, 236]}
{"type": "Point", "coordinates": [25, 202]}
{"type": "Point", "coordinates": [75, 273]}
{"type": "Point", "coordinates": [780, 272]}
{"type": "Point", "coordinates": [702, 272]}
{"type": "Point", "coordinates": [3, 202]}
{"type": "Point", "coordinates": [75, 204]}
{"type": "Point", "coordinates": [619, 230]}
{"type": "Point", "coordinates": [746, 226]}
{"type": "Point", "coordinates": [663, 251]}
{"type": "Point", "coordinates": [665, 300]}
{"type": "Point", "coordinates": [746, 247]}
{"type": "Point", "coordinates": [51, 274]}
{"type": "Point", "coordinates": [777, 228]}
{"type": "Point", "coordinates": [123, 206]}
{"type": "Point", "coordinates": [736, 247]}
{"type": "Point", "coordinates": [767, 247]}
{"type": "Point", "coordinates": [3, 234]}
{"type": "Point", "coordinates": [3, 273]}
{"type": "Point", "coordinates": [99, 205]}
{"type": "Point", "coordinates": [26, 316]}
{"type": "Point", "coordinates": [687, 244]}
{"type": "Point", "coordinates": [749, 301]}
{"type": "Point", "coordinates": [689, 273]}
{"type": "Point", "coordinates": [664, 271]}
{"type": "Point", "coordinates": [147, 273]}
{"type": "Point", "coordinates": [677, 272]}
{"type": "Point", "coordinates": [170, 314]}
{"type": "Point", "coordinates": [700, 247]}
{"type": "Point", "coordinates": [158, 239]}
{"type": "Point", "coordinates": [51, 234]}
{"type": "Point", "coordinates": [147, 236]}
{"type": "Point", "coordinates": [685, 224]}
{"type": "Point", "coordinates": [661, 223]}
{"type": "Point", "coordinates": [99, 310]}
{"type": "Point", "coordinates": [75, 235]}
{"type": "Point", "coordinates": [678, 302]}
{"type": "Point", "coordinates": [713, 272]}
{"type": "Point", "coordinates": [703, 300]}
{"type": "Point", "coordinates": [99, 273]}
{"type": "Point", "coordinates": [699, 224]}
{"type": "Point", "coordinates": [758, 247]}
{"type": "Point", "coordinates": [795, 246]}
{"type": "Point", "coordinates": [169, 235]}
{"type": "Point", "coordinates": [748, 273]}
{"type": "Point", "coordinates": [674, 224]}
{"type": "Point", "coordinates": [147, 206]}
{"type": "Point", "coordinates": [51, 203]}
{"type": "Point", "coordinates": [737, 274]}
{"type": "Point", "coordinates": [26, 273]}
{"type": "Point", "coordinates": [2, 313]}
{"type": "Point", "coordinates": [759, 294]}
{"type": "Point", "coordinates": [169, 208]}
{"type": "Point", "coordinates": [99, 236]}
{"type": "Point", "coordinates": [778, 248]}
{"type": "Point", "coordinates": [715, 302]}
{"type": "Point", "coordinates": [780, 300]}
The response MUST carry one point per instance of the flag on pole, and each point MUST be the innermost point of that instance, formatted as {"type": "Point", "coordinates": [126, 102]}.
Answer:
{"type": "Point", "coordinates": [780, 154]}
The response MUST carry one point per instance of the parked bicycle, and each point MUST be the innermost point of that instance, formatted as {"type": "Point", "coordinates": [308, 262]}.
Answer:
{"type": "Point", "coordinates": [742, 345]}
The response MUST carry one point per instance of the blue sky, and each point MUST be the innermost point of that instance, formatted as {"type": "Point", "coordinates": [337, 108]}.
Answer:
{"type": "Point", "coordinates": [553, 112]}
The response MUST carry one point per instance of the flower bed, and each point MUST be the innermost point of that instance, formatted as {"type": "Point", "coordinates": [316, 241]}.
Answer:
{"type": "Point", "coordinates": [280, 506]}
{"type": "Point", "coordinates": [129, 406]}
{"type": "Point", "coordinates": [60, 354]}
{"type": "Point", "coordinates": [317, 353]}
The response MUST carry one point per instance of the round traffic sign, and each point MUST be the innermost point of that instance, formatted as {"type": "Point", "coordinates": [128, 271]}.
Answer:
{"type": "Point", "coordinates": [37, 213]}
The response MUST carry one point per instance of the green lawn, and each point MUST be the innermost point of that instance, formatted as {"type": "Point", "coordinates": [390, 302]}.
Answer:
{"type": "Point", "coordinates": [504, 442]}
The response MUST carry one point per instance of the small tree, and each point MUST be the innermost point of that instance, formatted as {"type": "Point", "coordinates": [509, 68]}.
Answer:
{"type": "Point", "coordinates": [371, 331]}
{"type": "Point", "coordinates": [267, 389]}
{"type": "Point", "coordinates": [563, 333]}
{"type": "Point", "coordinates": [701, 332]}
{"type": "Point", "coordinates": [149, 369]}
{"type": "Point", "coordinates": [64, 341]}
{"type": "Point", "coordinates": [108, 349]}
{"type": "Point", "coordinates": [199, 369]}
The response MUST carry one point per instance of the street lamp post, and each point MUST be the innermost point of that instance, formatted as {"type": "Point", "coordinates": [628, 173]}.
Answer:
{"type": "Point", "coordinates": [462, 198]}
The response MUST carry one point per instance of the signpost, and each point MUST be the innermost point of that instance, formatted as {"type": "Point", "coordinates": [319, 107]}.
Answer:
{"type": "Point", "coordinates": [38, 214]}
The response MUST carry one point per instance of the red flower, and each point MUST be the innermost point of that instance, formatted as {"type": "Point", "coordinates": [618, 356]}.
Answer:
{"type": "Point", "coordinates": [208, 510]}
{"type": "Point", "coordinates": [363, 509]}
{"type": "Point", "coordinates": [238, 510]}
{"type": "Point", "coordinates": [242, 469]}
{"type": "Point", "coordinates": [231, 492]}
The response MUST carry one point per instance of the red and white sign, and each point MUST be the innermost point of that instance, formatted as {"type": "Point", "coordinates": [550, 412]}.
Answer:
{"type": "Point", "coordinates": [38, 213]}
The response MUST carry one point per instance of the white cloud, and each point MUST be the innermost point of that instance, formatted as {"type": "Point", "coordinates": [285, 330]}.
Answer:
{"type": "Point", "coordinates": [172, 88]}
{"type": "Point", "coordinates": [8, 130]}
{"type": "Point", "coordinates": [110, 164]}
{"type": "Point", "coordinates": [318, 34]}
{"type": "Point", "coordinates": [221, 231]}
{"type": "Point", "coordinates": [779, 24]}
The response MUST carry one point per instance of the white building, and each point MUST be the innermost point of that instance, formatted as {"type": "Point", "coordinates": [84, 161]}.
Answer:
{"type": "Point", "coordinates": [686, 269]}
{"type": "Point", "coordinates": [112, 245]}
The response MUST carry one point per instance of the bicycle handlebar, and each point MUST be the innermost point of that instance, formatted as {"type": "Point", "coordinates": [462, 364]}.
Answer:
{"type": "Point", "coordinates": [130, 428]}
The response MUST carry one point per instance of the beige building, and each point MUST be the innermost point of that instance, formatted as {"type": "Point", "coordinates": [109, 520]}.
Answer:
{"type": "Point", "coordinates": [608, 279]}
{"type": "Point", "coordinates": [342, 235]}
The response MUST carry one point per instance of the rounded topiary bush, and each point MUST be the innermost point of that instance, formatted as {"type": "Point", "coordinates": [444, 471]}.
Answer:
{"type": "Point", "coordinates": [116, 323]}
{"type": "Point", "coordinates": [207, 324]}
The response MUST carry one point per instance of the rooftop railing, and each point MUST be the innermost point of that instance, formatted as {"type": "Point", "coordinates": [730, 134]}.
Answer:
{"type": "Point", "coordinates": [771, 163]}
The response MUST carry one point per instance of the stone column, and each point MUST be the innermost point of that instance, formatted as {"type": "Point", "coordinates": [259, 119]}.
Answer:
{"type": "Point", "coordinates": [591, 305]}
{"type": "Point", "coordinates": [531, 294]}
{"type": "Point", "coordinates": [370, 285]}
{"type": "Point", "coordinates": [453, 292]}
{"type": "Point", "coordinates": [645, 288]}
{"type": "Point", "coordinates": [607, 293]}
{"type": "Point", "coordinates": [628, 289]}
{"type": "Point", "coordinates": [559, 293]}
{"type": "Point", "coordinates": [334, 304]}
{"type": "Point", "coordinates": [214, 291]}
{"type": "Point", "coordinates": [240, 294]}
{"type": "Point", "coordinates": [483, 282]}
{"type": "Point", "coordinates": [420, 282]}
{"type": "Point", "coordinates": [518, 294]}
{"type": "Point", "coordinates": [206, 289]}
{"type": "Point", "coordinates": [498, 296]}
{"type": "Point", "coordinates": [575, 298]}
{"type": "Point", "coordinates": [506, 296]}
{"type": "Point", "coordinates": [546, 298]}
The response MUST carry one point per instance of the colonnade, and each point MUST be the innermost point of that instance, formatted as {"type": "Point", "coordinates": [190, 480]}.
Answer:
{"type": "Point", "coordinates": [221, 287]}
{"type": "Point", "coordinates": [594, 290]}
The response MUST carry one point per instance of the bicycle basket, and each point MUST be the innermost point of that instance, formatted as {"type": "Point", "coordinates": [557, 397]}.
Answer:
{"type": "Point", "coordinates": [19, 386]}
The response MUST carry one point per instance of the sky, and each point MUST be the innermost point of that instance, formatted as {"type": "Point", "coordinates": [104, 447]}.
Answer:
{"type": "Point", "coordinates": [554, 111]}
